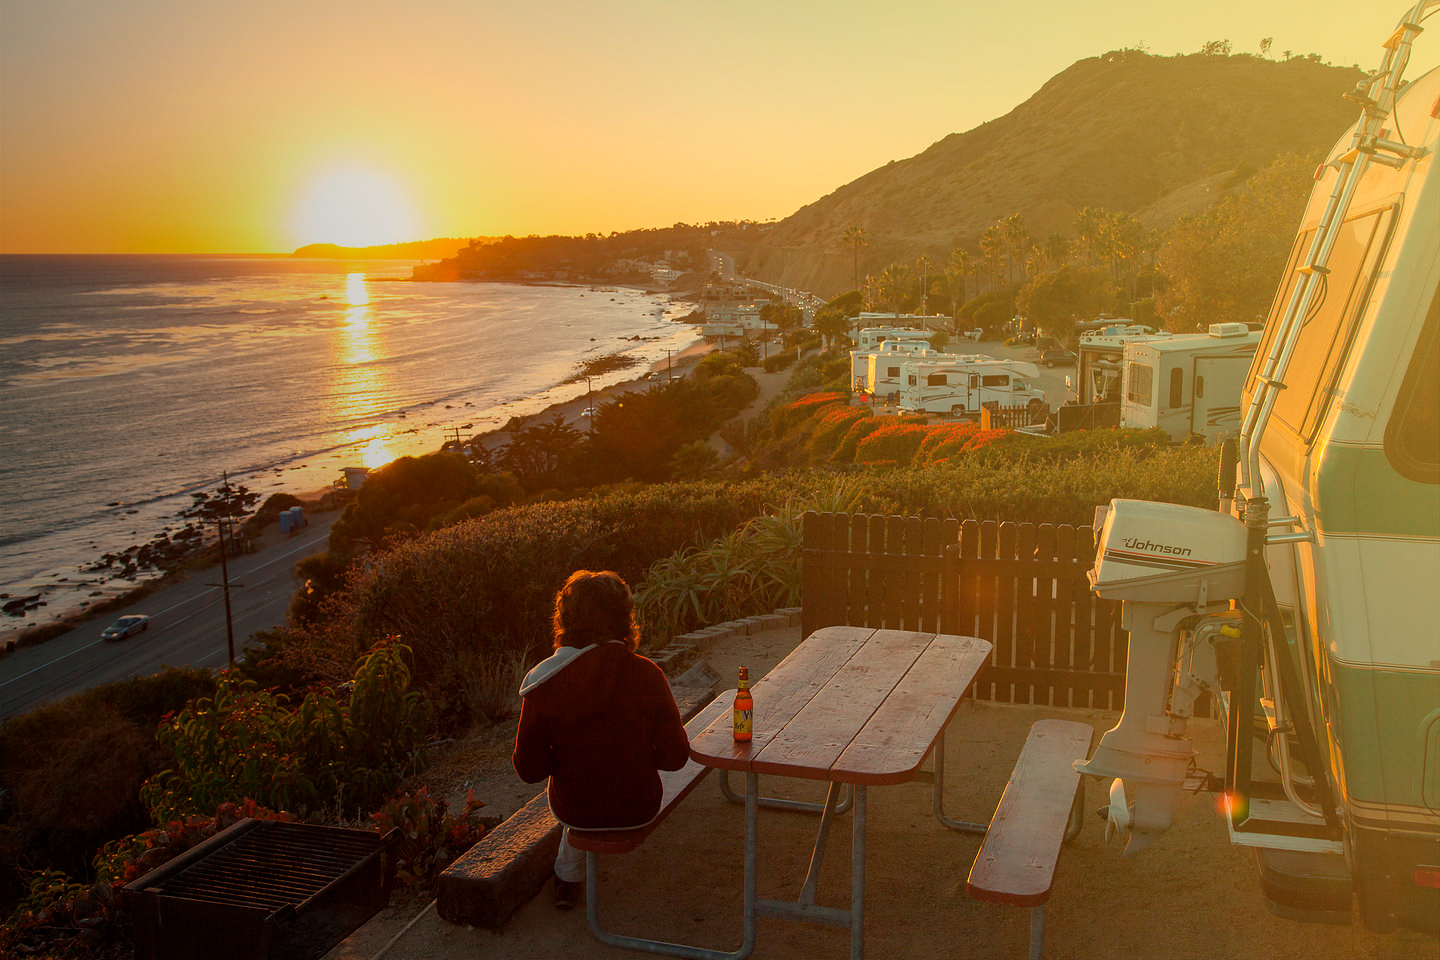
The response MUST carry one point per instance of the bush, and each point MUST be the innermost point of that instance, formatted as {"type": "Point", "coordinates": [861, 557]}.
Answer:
{"type": "Point", "coordinates": [402, 497]}
{"type": "Point", "coordinates": [247, 743]}
{"type": "Point", "coordinates": [831, 428]}
{"type": "Point", "coordinates": [780, 360]}
{"type": "Point", "coordinates": [430, 838]}
{"type": "Point", "coordinates": [480, 592]}
{"type": "Point", "coordinates": [893, 441]}
{"type": "Point", "coordinates": [859, 430]}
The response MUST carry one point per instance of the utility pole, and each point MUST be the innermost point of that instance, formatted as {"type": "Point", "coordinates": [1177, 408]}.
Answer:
{"type": "Point", "coordinates": [228, 503]}
{"type": "Point", "coordinates": [590, 393]}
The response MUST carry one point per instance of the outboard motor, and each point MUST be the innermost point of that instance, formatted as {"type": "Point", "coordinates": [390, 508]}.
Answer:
{"type": "Point", "coordinates": [1175, 568]}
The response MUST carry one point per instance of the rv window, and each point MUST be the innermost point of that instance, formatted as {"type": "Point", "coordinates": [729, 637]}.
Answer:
{"type": "Point", "coordinates": [1138, 390]}
{"type": "Point", "coordinates": [1199, 386]}
{"type": "Point", "coordinates": [995, 380]}
{"type": "Point", "coordinates": [1330, 321]}
{"type": "Point", "coordinates": [936, 380]}
{"type": "Point", "coordinates": [1412, 437]}
{"type": "Point", "coordinates": [910, 379]}
{"type": "Point", "coordinates": [892, 371]}
{"type": "Point", "coordinates": [1177, 388]}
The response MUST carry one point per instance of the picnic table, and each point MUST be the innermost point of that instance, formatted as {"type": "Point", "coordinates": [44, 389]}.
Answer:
{"type": "Point", "coordinates": [850, 705]}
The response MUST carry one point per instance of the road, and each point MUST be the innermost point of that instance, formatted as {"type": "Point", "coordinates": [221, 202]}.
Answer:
{"type": "Point", "coordinates": [187, 627]}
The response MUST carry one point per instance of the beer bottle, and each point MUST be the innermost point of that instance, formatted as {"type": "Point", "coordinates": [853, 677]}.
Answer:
{"type": "Point", "coordinates": [744, 707]}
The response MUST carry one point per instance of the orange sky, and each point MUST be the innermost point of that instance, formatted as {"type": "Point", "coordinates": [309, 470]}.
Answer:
{"type": "Point", "coordinates": [256, 127]}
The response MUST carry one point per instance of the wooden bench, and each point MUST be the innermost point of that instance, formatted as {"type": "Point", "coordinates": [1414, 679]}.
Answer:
{"type": "Point", "coordinates": [676, 786]}
{"type": "Point", "coordinates": [1044, 795]}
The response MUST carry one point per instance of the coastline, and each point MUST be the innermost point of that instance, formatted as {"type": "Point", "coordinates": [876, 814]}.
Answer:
{"type": "Point", "coordinates": [60, 610]}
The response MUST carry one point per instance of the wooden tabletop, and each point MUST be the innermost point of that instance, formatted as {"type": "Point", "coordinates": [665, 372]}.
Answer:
{"type": "Point", "coordinates": [850, 704]}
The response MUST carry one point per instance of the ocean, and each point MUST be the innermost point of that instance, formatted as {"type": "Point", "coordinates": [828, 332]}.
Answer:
{"type": "Point", "coordinates": [127, 383]}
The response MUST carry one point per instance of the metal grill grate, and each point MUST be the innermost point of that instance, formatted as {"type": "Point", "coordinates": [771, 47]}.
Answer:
{"type": "Point", "coordinates": [230, 895]}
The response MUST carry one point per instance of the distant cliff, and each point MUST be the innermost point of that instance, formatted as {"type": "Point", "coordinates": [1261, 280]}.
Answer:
{"type": "Point", "coordinates": [1154, 137]}
{"type": "Point", "coordinates": [437, 249]}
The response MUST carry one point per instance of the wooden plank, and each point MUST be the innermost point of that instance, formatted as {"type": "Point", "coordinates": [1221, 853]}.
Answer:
{"type": "Point", "coordinates": [1084, 613]}
{"type": "Point", "coordinates": [893, 603]}
{"type": "Point", "coordinates": [1063, 655]}
{"type": "Point", "coordinates": [875, 581]}
{"type": "Point", "coordinates": [896, 740]}
{"type": "Point", "coordinates": [815, 737]}
{"type": "Point", "coordinates": [1043, 625]}
{"type": "Point", "coordinates": [1004, 596]}
{"type": "Point", "coordinates": [675, 785]}
{"type": "Point", "coordinates": [930, 577]}
{"type": "Point", "coordinates": [810, 575]}
{"type": "Point", "coordinates": [858, 612]}
{"type": "Point", "coordinates": [1026, 610]}
{"type": "Point", "coordinates": [1016, 863]}
{"type": "Point", "coordinates": [910, 585]}
{"type": "Point", "coordinates": [779, 695]}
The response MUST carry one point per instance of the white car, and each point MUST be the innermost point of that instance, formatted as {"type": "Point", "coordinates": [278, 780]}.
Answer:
{"type": "Point", "coordinates": [588, 412]}
{"type": "Point", "coordinates": [125, 626]}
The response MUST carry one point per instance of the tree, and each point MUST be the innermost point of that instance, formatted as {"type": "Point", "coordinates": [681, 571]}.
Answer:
{"type": "Point", "coordinates": [894, 286]}
{"type": "Point", "coordinates": [1265, 43]}
{"type": "Point", "coordinates": [939, 340]}
{"type": "Point", "coordinates": [923, 264]}
{"type": "Point", "coordinates": [1223, 264]}
{"type": "Point", "coordinates": [694, 461]}
{"type": "Point", "coordinates": [1056, 300]}
{"type": "Point", "coordinates": [226, 506]}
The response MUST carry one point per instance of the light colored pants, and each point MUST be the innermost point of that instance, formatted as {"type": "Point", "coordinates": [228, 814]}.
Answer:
{"type": "Point", "coordinates": [569, 862]}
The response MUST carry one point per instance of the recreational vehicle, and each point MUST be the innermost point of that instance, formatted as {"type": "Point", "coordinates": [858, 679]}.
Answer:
{"type": "Point", "coordinates": [893, 348]}
{"type": "Point", "coordinates": [1189, 383]}
{"type": "Point", "coordinates": [883, 364]}
{"type": "Point", "coordinates": [959, 385]}
{"type": "Point", "coordinates": [1306, 605]}
{"type": "Point", "coordinates": [1099, 359]}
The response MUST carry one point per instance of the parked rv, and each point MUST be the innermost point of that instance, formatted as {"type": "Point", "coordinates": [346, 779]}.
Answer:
{"type": "Point", "coordinates": [875, 339]}
{"type": "Point", "coordinates": [959, 385]}
{"type": "Point", "coordinates": [883, 364]}
{"type": "Point", "coordinates": [1188, 383]}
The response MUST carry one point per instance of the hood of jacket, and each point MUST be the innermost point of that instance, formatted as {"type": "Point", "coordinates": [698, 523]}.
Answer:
{"type": "Point", "coordinates": [575, 680]}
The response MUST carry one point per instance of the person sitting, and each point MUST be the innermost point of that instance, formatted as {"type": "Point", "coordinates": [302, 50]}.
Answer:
{"type": "Point", "coordinates": [598, 719]}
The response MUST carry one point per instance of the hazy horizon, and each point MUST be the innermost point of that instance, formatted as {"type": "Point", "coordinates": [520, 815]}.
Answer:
{"type": "Point", "coordinates": [256, 128]}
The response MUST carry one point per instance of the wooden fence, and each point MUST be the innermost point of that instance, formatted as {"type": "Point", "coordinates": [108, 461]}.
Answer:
{"type": "Point", "coordinates": [993, 416]}
{"type": "Point", "coordinates": [1020, 586]}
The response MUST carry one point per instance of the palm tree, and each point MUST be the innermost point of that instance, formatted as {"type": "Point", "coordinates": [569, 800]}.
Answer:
{"type": "Point", "coordinates": [1017, 238]}
{"type": "Point", "coordinates": [857, 239]}
{"type": "Point", "coordinates": [923, 264]}
{"type": "Point", "coordinates": [894, 283]}
{"type": "Point", "coordinates": [992, 251]}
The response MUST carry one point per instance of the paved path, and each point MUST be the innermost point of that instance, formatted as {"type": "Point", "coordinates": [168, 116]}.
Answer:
{"type": "Point", "coordinates": [187, 627]}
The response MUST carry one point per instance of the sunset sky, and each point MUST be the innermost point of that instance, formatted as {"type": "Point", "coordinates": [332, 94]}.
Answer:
{"type": "Point", "coordinates": [257, 127]}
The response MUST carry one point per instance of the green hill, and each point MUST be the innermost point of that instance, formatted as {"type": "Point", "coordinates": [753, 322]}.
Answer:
{"type": "Point", "coordinates": [1156, 137]}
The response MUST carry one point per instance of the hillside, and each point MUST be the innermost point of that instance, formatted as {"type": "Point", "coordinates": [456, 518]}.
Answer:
{"type": "Point", "coordinates": [1151, 136]}
{"type": "Point", "coordinates": [412, 250]}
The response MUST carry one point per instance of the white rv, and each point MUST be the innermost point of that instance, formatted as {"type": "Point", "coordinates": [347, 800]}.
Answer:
{"type": "Point", "coordinates": [1307, 603]}
{"type": "Point", "coordinates": [894, 346]}
{"type": "Point", "coordinates": [883, 364]}
{"type": "Point", "coordinates": [958, 385]}
{"type": "Point", "coordinates": [1099, 365]}
{"type": "Point", "coordinates": [1188, 383]}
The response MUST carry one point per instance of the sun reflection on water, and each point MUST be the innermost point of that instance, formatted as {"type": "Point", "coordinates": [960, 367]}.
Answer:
{"type": "Point", "coordinates": [360, 383]}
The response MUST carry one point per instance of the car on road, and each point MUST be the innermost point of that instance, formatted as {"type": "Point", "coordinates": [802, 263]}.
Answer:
{"type": "Point", "coordinates": [125, 626]}
{"type": "Point", "coordinates": [1057, 357]}
{"type": "Point", "coordinates": [588, 412]}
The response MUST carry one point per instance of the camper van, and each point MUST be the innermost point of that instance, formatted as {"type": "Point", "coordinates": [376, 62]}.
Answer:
{"type": "Point", "coordinates": [1306, 605]}
{"type": "Point", "coordinates": [958, 385]}
{"type": "Point", "coordinates": [1099, 366]}
{"type": "Point", "coordinates": [889, 353]}
{"type": "Point", "coordinates": [1189, 383]}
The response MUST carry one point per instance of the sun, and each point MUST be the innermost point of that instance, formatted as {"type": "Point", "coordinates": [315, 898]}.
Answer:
{"type": "Point", "coordinates": [353, 207]}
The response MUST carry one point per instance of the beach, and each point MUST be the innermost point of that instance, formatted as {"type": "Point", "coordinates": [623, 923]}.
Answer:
{"type": "Point", "coordinates": [288, 370]}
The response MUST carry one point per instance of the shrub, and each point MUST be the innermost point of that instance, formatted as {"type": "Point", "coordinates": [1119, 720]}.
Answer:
{"type": "Point", "coordinates": [793, 412]}
{"type": "Point", "coordinates": [831, 428]}
{"type": "Point", "coordinates": [780, 360]}
{"type": "Point", "coordinates": [429, 838]}
{"type": "Point", "coordinates": [481, 591]}
{"type": "Point", "coordinates": [893, 441]}
{"type": "Point", "coordinates": [859, 430]}
{"type": "Point", "coordinates": [403, 496]}
{"type": "Point", "coordinates": [245, 742]}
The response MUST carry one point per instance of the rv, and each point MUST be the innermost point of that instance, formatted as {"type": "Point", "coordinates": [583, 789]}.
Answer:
{"type": "Point", "coordinates": [1099, 356]}
{"type": "Point", "coordinates": [882, 365]}
{"type": "Point", "coordinates": [1306, 605]}
{"type": "Point", "coordinates": [958, 385]}
{"type": "Point", "coordinates": [1189, 383]}
{"type": "Point", "coordinates": [894, 347]}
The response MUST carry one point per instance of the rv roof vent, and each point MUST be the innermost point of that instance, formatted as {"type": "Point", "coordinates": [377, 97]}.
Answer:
{"type": "Point", "coordinates": [1228, 329]}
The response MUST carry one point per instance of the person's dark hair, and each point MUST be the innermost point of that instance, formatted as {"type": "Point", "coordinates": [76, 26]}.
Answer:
{"type": "Point", "coordinates": [595, 608]}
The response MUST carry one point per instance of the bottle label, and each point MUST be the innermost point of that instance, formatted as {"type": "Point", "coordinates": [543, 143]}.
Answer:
{"type": "Point", "coordinates": [744, 723]}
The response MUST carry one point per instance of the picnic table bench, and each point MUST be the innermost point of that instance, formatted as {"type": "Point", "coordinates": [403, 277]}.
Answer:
{"type": "Point", "coordinates": [1042, 798]}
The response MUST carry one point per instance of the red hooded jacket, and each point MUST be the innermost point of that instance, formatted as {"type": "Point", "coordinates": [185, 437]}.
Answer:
{"type": "Point", "coordinates": [599, 722]}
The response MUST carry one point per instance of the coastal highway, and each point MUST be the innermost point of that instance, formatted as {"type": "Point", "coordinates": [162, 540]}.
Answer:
{"type": "Point", "coordinates": [187, 627]}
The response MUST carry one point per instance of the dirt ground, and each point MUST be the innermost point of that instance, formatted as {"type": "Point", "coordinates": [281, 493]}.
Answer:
{"type": "Point", "coordinates": [1190, 895]}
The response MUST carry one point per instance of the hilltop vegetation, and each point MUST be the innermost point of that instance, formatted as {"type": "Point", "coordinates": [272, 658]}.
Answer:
{"type": "Point", "coordinates": [1155, 138]}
